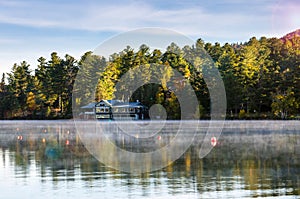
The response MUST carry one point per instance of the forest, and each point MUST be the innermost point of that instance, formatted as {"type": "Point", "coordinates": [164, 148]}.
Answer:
{"type": "Point", "coordinates": [261, 79]}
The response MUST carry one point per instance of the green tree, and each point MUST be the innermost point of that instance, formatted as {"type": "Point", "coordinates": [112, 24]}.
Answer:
{"type": "Point", "coordinates": [2, 83]}
{"type": "Point", "coordinates": [57, 74]}
{"type": "Point", "coordinates": [71, 69]}
{"type": "Point", "coordinates": [90, 69]}
{"type": "Point", "coordinates": [260, 76]}
{"type": "Point", "coordinates": [228, 66]}
{"type": "Point", "coordinates": [249, 72]}
{"type": "Point", "coordinates": [3, 93]}
{"type": "Point", "coordinates": [20, 83]}
{"type": "Point", "coordinates": [284, 104]}
{"type": "Point", "coordinates": [42, 85]}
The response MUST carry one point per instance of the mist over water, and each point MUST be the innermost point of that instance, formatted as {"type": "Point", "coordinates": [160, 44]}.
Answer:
{"type": "Point", "coordinates": [46, 159]}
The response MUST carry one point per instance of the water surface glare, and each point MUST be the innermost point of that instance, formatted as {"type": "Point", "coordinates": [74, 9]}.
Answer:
{"type": "Point", "coordinates": [252, 159]}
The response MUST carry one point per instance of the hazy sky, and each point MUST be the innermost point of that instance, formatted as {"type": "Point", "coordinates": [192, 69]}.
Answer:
{"type": "Point", "coordinates": [33, 28]}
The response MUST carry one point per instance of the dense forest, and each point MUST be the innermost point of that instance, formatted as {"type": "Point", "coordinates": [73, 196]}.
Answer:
{"type": "Point", "coordinates": [261, 78]}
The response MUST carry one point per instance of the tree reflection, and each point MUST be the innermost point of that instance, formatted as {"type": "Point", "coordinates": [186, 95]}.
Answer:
{"type": "Point", "coordinates": [248, 162]}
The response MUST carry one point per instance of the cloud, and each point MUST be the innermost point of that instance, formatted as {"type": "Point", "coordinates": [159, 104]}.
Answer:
{"type": "Point", "coordinates": [9, 41]}
{"type": "Point", "coordinates": [31, 27]}
{"type": "Point", "coordinates": [191, 20]}
{"type": "Point", "coordinates": [12, 3]}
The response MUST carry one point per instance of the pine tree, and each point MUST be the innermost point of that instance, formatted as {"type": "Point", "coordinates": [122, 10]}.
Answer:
{"type": "Point", "coordinates": [20, 83]}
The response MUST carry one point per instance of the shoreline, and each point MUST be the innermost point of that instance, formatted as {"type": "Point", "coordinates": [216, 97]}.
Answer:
{"type": "Point", "coordinates": [249, 125]}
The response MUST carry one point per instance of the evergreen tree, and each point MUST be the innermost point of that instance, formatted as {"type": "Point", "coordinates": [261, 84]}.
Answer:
{"type": "Point", "coordinates": [90, 69]}
{"type": "Point", "coordinates": [20, 83]}
{"type": "Point", "coordinates": [260, 76]}
{"type": "Point", "coordinates": [228, 66]}
{"type": "Point", "coordinates": [3, 94]}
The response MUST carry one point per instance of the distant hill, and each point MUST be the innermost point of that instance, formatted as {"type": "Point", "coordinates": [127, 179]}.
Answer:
{"type": "Point", "coordinates": [291, 35]}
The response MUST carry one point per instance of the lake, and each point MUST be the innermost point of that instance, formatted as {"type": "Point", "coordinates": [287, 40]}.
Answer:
{"type": "Point", "coordinates": [251, 159]}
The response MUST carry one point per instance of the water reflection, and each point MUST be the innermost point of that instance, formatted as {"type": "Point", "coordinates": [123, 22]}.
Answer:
{"type": "Point", "coordinates": [50, 161]}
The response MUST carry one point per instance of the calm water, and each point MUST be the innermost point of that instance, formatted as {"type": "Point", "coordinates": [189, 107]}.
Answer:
{"type": "Point", "coordinates": [251, 160]}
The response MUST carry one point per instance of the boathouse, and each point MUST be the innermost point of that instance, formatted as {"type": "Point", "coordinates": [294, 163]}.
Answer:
{"type": "Point", "coordinates": [120, 110]}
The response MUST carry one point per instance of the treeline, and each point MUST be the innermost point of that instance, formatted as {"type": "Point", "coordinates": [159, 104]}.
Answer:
{"type": "Point", "coordinates": [261, 78]}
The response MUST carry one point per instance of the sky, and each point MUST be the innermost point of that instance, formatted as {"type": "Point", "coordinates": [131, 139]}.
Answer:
{"type": "Point", "coordinates": [33, 28]}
